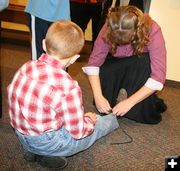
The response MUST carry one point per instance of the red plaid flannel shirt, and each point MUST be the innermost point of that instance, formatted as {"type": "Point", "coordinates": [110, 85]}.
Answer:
{"type": "Point", "coordinates": [43, 97]}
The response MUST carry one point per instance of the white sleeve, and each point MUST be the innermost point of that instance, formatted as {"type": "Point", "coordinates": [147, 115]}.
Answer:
{"type": "Point", "coordinates": [153, 84]}
{"type": "Point", "coordinates": [91, 70]}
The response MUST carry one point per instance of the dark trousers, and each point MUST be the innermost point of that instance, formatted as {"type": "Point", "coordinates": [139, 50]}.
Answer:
{"type": "Point", "coordinates": [137, 3]}
{"type": "Point", "coordinates": [82, 13]}
{"type": "Point", "coordinates": [38, 28]}
{"type": "Point", "coordinates": [106, 6]}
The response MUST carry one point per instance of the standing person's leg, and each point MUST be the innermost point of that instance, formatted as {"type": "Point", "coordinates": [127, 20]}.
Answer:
{"type": "Point", "coordinates": [106, 6]}
{"type": "Point", "coordinates": [96, 10]}
{"type": "Point", "coordinates": [79, 14]}
{"type": "Point", "coordinates": [38, 29]}
{"type": "Point", "coordinates": [137, 3]}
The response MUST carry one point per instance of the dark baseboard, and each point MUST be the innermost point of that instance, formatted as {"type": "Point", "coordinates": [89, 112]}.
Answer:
{"type": "Point", "coordinates": [171, 83]}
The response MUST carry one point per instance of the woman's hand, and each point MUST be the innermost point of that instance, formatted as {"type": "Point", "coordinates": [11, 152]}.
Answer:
{"type": "Point", "coordinates": [101, 102]}
{"type": "Point", "coordinates": [102, 105]}
{"type": "Point", "coordinates": [122, 108]}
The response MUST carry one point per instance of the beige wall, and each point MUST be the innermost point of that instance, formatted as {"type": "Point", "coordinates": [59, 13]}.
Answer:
{"type": "Point", "coordinates": [167, 14]}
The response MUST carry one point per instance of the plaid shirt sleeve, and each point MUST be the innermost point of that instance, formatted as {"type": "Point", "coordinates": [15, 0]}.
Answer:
{"type": "Point", "coordinates": [70, 109]}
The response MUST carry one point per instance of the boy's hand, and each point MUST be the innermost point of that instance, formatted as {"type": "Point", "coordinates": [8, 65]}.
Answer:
{"type": "Point", "coordinates": [92, 116]}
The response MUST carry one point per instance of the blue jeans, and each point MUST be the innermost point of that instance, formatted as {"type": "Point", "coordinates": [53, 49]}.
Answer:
{"type": "Point", "coordinates": [61, 143]}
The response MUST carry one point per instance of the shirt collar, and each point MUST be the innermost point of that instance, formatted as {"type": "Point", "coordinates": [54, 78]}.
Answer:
{"type": "Point", "coordinates": [51, 61]}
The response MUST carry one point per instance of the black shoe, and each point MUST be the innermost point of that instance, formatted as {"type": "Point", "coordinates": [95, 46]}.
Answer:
{"type": "Point", "coordinates": [160, 105]}
{"type": "Point", "coordinates": [46, 161]}
{"type": "Point", "coordinates": [29, 157]}
{"type": "Point", "coordinates": [52, 162]}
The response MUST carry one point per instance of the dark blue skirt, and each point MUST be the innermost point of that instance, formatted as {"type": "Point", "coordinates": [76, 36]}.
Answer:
{"type": "Point", "coordinates": [130, 73]}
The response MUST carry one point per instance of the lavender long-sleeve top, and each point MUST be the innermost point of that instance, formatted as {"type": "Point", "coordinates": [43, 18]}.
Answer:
{"type": "Point", "coordinates": [156, 49]}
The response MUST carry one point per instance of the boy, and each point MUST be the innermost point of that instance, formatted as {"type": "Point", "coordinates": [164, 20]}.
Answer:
{"type": "Point", "coordinates": [45, 103]}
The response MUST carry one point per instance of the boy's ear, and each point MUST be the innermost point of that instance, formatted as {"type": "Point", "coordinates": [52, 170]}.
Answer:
{"type": "Point", "coordinates": [44, 44]}
{"type": "Point", "coordinates": [74, 58]}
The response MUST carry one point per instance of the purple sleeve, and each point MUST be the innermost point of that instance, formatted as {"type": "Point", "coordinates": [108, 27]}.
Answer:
{"type": "Point", "coordinates": [157, 51]}
{"type": "Point", "coordinates": [100, 50]}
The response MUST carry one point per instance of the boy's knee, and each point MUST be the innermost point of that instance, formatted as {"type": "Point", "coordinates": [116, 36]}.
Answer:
{"type": "Point", "coordinates": [113, 120]}
{"type": "Point", "coordinates": [108, 121]}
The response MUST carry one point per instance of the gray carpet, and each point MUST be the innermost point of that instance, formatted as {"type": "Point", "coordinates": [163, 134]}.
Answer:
{"type": "Point", "coordinates": [151, 143]}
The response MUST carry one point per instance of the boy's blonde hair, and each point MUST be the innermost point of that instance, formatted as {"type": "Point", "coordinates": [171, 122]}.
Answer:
{"type": "Point", "coordinates": [64, 39]}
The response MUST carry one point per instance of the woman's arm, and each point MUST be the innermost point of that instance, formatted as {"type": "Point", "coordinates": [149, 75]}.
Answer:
{"type": "Point", "coordinates": [157, 52]}
{"type": "Point", "coordinates": [101, 102]}
{"type": "Point", "coordinates": [96, 59]}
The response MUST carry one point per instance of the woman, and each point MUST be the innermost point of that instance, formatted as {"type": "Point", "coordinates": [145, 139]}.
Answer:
{"type": "Point", "coordinates": [128, 59]}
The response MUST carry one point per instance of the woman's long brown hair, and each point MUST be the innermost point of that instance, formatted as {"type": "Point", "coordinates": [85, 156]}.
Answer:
{"type": "Point", "coordinates": [128, 24]}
